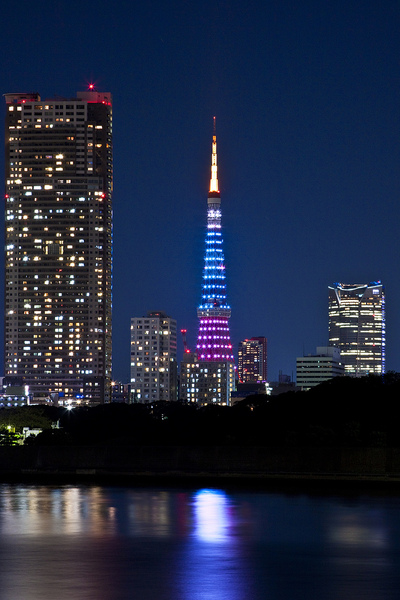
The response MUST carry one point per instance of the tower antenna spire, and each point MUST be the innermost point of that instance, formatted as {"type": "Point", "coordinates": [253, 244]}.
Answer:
{"type": "Point", "coordinates": [214, 168]}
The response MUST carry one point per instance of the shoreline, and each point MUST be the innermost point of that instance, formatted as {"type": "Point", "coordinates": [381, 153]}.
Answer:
{"type": "Point", "coordinates": [275, 483]}
{"type": "Point", "coordinates": [252, 467]}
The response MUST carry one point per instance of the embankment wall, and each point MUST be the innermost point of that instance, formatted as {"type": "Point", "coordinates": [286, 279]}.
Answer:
{"type": "Point", "coordinates": [201, 460]}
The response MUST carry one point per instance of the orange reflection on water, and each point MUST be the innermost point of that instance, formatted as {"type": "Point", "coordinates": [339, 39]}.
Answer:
{"type": "Point", "coordinates": [356, 528]}
{"type": "Point", "coordinates": [70, 510]}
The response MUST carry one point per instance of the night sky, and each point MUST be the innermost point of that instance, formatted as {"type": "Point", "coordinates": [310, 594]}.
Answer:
{"type": "Point", "coordinates": [306, 96]}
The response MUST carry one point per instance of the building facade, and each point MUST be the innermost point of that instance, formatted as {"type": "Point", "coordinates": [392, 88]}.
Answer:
{"type": "Point", "coordinates": [153, 358]}
{"type": "Point", "coordinates": [58, 264]}
{"type": "Point", "coordinates": [214, 347]}
{"type": "Point", "coordinates": [206, 382]}
{"type": "Point", "coordinates": [313, 369]}
{"type": "Point", "coordinates": [252, 360]}
{"type": "Point", "coordinates": [357, 326]}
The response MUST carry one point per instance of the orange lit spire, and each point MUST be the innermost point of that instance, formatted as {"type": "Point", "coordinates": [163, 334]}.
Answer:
{"type": "Point", "coordinates": [214, 168]}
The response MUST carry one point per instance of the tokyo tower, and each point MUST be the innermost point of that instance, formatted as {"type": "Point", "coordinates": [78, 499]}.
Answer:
{"type": "Point", "coordinates": [213, 342]}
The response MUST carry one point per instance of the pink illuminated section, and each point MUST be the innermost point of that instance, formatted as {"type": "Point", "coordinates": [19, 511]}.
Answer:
{"type": "Point", "coordinates": [213, 342]}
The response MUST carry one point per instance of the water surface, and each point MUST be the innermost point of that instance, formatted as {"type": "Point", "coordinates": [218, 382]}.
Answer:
{"type": "Point", "coordinates": [105, 543]}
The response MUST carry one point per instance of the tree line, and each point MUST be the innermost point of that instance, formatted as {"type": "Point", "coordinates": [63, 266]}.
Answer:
{"type": "Point", "coordinates": [344, 411]}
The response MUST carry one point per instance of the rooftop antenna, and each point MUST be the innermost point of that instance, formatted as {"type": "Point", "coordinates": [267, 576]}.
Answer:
{"type": "Point", "coordinates": [214, 168]}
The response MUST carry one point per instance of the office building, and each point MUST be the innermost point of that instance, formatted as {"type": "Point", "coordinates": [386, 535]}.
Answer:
{"type": "Point", "coordinates": [252, 360]}
{"type": "Point", "coordinates": [214, 348]}
{"type": "Point", "coordinates": [58, 263]}
{"type": "Point", "coordinates": [153, 358]}
{"type": "Point", "coordinates": [313, 369]}
{"type": "Point", "coordinates": [357, 326]}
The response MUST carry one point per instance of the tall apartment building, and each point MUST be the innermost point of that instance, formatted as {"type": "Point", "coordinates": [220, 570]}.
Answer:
{"type": "Point", "coordinates": [252, 360]}
{"type": "Point", "coordinates": [153, 358]}
{"type": "Point", "coordinates": [357, 326]}
{"type": "Point", "coordinates": [58, 238]}
{"type": "Point", "coordinates": [313, 369]}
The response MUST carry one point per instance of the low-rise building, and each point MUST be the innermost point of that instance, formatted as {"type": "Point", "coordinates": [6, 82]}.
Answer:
{"type": "Point", "coordinates": [313, 369]}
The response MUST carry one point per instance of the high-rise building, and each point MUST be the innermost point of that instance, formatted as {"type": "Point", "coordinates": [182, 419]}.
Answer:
{"type": "Point", "coordinates": [252, 360]}
{"type": "Point", "coordinates": [58, 263]}
{"type": "Point", "coordinates": [153, 358]}
{"type": "Point", "coordinates": [357, 326]}
{"type": "Point", "coordinates": [313, 369]}
{"type": "Point", "coordinates": [213, 343]}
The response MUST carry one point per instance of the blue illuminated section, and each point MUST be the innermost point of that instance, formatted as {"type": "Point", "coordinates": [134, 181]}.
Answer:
{"type": "Point", "coordinates": [214, 280]}
{"type": "Point", "coordinates": [214, 342]}
{"type": "Point", "coordinates": [383, 334]}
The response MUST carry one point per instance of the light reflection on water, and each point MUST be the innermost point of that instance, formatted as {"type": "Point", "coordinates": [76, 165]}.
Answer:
{"type": "Point", "coordinates": [103, 543]}
{"type": "Point", "coordinates": [212, 565]}
{"type": "Point", "coordinates": [211, 516]}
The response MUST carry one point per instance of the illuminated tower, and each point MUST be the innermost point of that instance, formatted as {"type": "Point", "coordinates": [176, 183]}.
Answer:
{"type": "Point", "coordinates": [59, 244]}
{"type": "Point", "coordinates": [214, 343]}
{"type": "Point", "coordinates": [357, 326]}
{"type": "Point", "coordinates": [208, 376]}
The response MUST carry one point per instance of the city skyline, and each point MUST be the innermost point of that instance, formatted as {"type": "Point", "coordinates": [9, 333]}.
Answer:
{"type": "Point", "coordinates": [307, 105]}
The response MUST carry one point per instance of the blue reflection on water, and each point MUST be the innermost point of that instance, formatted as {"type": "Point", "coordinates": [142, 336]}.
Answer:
{"type": "Point", "coordinates": [211, 516]}
{"type": "Point", "coordinates": [212, 562]}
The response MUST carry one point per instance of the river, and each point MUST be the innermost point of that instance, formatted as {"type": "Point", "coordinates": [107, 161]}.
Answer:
{"type": "Point", "coordinates": [78, 542]}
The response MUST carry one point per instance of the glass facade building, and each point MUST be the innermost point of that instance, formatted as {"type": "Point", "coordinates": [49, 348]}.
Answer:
{"type": "Point", "coordinates": [58, 263]}
{"type": "Point", "coordinates": [357, 326]}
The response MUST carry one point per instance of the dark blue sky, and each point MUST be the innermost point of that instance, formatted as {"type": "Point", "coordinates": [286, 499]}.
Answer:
{"type": "Point", "coordinates": [306, 96]}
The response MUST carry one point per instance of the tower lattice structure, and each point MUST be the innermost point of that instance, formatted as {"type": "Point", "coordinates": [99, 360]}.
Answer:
{"type": "Point", "coordinates": [214, 343]}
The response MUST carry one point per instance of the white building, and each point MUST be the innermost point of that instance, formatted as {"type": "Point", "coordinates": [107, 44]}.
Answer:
{"type": "Point", "coordinates": [153, 358]}
{"type": "Point", "coordinates": [313, 369]}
